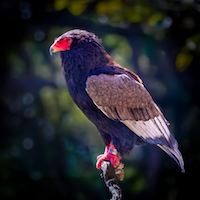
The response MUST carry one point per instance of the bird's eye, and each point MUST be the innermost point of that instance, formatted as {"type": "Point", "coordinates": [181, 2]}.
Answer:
{"type": "Point", "coordinates": [69, 40]}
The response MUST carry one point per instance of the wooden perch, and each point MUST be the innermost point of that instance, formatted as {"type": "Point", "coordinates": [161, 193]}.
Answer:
{"type": "Point", "coordinates": [110, 176]}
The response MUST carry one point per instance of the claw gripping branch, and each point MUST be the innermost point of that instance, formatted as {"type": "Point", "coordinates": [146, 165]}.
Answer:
{"type": "Point", "coordinates": [110, 154]}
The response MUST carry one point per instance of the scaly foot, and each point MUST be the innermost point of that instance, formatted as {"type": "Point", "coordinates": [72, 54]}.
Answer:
{"type": "Point", "coordinates": [110, 154]}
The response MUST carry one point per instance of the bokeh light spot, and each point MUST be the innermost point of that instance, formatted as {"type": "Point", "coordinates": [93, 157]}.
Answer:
{"type": "Point", "coordinates": [144, 64]}
{"type": "Point", "coordinates": [27, 99]}
{"type": "Point", "coordinates": [28, 143]}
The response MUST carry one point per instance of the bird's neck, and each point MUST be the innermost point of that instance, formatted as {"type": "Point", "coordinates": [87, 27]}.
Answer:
{"type": "Point", "coordinates": [78, 63]}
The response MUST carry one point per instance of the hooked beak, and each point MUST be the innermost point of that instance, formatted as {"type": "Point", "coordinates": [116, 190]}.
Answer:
{"type": "Point", "coordinates": [52, 49]}
{"type": "Point", "coordinates": [60, 45]}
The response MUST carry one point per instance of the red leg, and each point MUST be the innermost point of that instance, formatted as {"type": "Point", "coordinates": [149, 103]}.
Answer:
{"type": "Point", "coordinates": [110, 154]}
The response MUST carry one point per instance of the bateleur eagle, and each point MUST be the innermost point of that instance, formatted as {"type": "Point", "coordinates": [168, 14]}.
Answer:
{"type": "Point", "coordinates": [112, 97]}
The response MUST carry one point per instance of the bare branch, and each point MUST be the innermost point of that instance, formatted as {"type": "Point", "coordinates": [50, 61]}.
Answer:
{"type": "Point", "coordinates": [110, 179]}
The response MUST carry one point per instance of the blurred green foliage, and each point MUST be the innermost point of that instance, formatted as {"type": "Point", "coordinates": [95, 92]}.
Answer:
{"type": "Point", "coordinates": [121, 50]}
{"type": "Point", "coordinates": [48, 147]}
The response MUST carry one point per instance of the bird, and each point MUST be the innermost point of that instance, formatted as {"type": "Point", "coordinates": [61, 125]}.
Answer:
{"type": "Point", "coordinates": [113, 98]}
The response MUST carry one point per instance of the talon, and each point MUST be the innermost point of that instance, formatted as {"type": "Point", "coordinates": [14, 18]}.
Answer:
{"type": "Point", "coordinates": [110, 154]}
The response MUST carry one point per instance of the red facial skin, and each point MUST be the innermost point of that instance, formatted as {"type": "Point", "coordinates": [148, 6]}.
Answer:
{"type": "Point", "coordinates": [62, 45]}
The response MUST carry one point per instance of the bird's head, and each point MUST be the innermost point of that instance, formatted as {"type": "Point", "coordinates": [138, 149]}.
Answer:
{"type": "Point", "coordinates": [73, 38]}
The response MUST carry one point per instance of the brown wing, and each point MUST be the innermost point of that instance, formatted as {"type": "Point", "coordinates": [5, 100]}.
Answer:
{"type": "Point", "coordinates": [122, 97]}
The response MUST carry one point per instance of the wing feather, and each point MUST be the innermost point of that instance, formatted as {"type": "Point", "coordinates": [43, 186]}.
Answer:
{"type": "Point", "coordinates": [121, 97]}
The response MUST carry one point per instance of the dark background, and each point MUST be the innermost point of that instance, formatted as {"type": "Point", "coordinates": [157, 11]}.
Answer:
{"type": "Point", "coordinates": [48, 148]}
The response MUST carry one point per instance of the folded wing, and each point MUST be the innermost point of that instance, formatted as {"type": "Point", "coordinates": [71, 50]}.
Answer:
{"type": "Point", "coordinates": [121, 97]}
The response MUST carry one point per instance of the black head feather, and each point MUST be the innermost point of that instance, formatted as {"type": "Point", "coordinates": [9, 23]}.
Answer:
{"type": "Point", "coordinates": [81, 35]}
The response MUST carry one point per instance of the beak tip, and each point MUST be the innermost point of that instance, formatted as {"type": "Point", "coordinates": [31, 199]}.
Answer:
{"type": "Point", "coordinates": [51, 51]}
